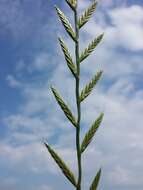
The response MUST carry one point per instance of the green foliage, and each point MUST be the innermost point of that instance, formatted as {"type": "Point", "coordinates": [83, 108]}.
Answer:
{"type": "Point", "coordinates": [62, 165]}
{"type": "Point", "coordinates": [74, 66]}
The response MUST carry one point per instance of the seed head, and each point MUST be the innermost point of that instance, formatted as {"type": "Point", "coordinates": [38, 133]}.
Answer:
{"type": "Point", "coordinates": [73, 3]}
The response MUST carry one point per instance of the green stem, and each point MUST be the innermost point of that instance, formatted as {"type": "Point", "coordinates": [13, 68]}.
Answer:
{"type": "Point", "coordinates": [78, 101]}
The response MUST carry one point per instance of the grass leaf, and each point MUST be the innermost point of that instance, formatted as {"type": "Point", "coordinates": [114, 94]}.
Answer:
{"type": "Point", "coordinates": [62, 165]}
{"type": "Point", "coordinates": [87, 14]}
{"type": "Point", "coordinates": [89, 87]}
{"type": "Point", "coordinates": [64, 107]}
{"type": "Point", "coordinates": [89, 135]}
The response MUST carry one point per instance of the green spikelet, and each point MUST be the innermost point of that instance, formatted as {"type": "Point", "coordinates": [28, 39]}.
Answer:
{"type": "Point", "coordinates": [90, 47]}
{"type": "Point", "coordinates": [64, 107]}
{"type": "Point", "coordinates": [66, 24]}
{"type": "Point", "coordinates": [72, 4]}
{"type": "Point", "coordinates": [89, 87]}
{"type": "Point", "coordinates": [66, 171]}
{"type": "Point", "coordinates": [68, 57]}
{"type": "Point", "coordinates": [87, 15]}
{"type": "Point", "coordinates": [89, 135]}
{"type": "Point", "coordinates": [95, 182]}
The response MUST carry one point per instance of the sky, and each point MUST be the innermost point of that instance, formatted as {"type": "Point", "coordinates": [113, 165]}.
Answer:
{"type": "Point", "coordinates": [31, 60]}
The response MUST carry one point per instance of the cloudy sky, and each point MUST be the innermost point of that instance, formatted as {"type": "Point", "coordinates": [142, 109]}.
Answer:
{"type": "Point", "coordinates": [31, 60]}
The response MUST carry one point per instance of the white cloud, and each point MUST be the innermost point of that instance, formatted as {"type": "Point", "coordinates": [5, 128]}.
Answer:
{"type": "Point", "coordinates": [17, 19]}
{"type": "Point", "coordinates": [113, 3]}
{"type": "Point", "coordinates": [105, 4]}
{"type": "Point", "coordinates": [44, 187]}
{"type": "Point", "coordinates": [28, 156]}
{"type": "Point", "coordinates": [40, 63]}
{"type": "Point", "coordinates": [26, 129]}
{"type": "Point", "coordinates": [13, 82]}
{"type": "Point", "coordinates": [128, 27]}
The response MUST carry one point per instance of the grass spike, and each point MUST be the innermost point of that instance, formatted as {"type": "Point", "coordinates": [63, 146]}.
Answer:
{"type": "Point", "coordinates": [96, 180]}
{"type": "Point", "coordinates": [90, 134]}
{"type": "Point", "coordinates": [64, 107]}
{"type": "Point", "coordinates": [65, 169]}
{"type": "Point", "coordinates": [68, 57]}
{"type": "Point", "coordinates": [74, 66]}
{"type": "Point", "coordinates": [90, 48]}
{"type": "Point", "coordinates": [87, 14]}
{"type": "Point", "coordinates": [66, 23]}
{"type": "Point", "coordinates": [72, 4]}
{"type": "Point", "coordinates": [89, 87]}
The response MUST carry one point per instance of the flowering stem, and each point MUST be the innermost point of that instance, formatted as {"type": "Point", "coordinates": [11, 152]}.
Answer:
{"type": "Point", "coordinates": [78, 101]}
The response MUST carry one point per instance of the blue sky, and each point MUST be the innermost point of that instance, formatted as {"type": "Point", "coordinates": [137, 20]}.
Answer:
{"type": "Point", "coordinates": [31, 60]}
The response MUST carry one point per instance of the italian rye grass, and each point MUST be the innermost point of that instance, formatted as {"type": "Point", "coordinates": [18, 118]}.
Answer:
{"type": "Point", "coordinates": [74, 66]}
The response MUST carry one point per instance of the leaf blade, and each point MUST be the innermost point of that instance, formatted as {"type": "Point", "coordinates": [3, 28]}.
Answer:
{"type": "Point", "coordinates": [91, 132]}
{"type": "Point", "coordinates": [90, 48]}
{"type": "Point", "coordinates": [89, 87]}
{"type": "Point", "coordinates": [96, 180]}
{"type": "Point", "coordinates": [66, 24]}
{"type": "Point", "coordinates": [87, 14]}
{"type": "Point", "coordinates": [65, 169]}
{"type": "Point", "coordinates": [68, 57]}
{"type": "Point", "coordinates": [64, 107]}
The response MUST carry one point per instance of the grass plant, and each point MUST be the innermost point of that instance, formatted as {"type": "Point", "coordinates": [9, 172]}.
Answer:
{"type": "Point", "coordinates": [74, 67]}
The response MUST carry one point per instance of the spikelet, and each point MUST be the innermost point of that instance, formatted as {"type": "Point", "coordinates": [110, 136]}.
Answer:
{"type": "Point", "coordinates": [95, 182]}
{"type": "Point", "coordinates": [66, 24]}
{"type": "Point", "coordinates": [72, 4]}
{"type": "Point", "coordinates": [89, 87]}
{"type": "Point", "coordinates": [90, 48]}
{"type": "Point", "coordinates": [89, 135]}
{"type": "Point", "coordinates": [87, 14]}
{"type": "Point", "coordinates": [66, 171]}
{"type": "Point", "coordinates": [64, 107]}
{"type": "Point", "coordinates": [68, 57]}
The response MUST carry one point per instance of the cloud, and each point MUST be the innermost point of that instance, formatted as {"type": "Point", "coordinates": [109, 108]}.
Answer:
{"type": "Point", "coordinates": [108, 4]}
{"type": "Point", "coordinates": [123, 118]}
{"type": "Point", "coordinates": [18, 21]}
{"type": "Point", "coordinates": [8, 183]}
{"type": "Point", "coordinates": [125, 30]}
{"type": "Point", "coordinates": [121, 175]}
{"type": "Point", "coordinates": [41, 62]}
{"type": "Point", "coordinates": [115, 3]}
{"type": "Point", "coordinates": [25, 161]}
{"type": "Point", "coordinates": [18, 157]}
{"type": "Point", "coordinates": [128, 27]}
{"type": "Point", "coordinates": [13, 82]}
{"type": "Point", "coordinates": [44, 187]}
{"type": "Point", "coordinates": [26, 129]}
